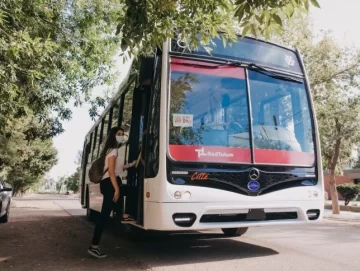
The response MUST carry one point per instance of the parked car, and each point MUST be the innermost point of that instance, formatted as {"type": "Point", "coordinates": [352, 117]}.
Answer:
{"type": "Point", "coordinates": [5, 201]}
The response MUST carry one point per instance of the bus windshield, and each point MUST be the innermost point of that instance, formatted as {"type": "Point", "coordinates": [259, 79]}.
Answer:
{"type": "Point", "coordinates": [209, 116]}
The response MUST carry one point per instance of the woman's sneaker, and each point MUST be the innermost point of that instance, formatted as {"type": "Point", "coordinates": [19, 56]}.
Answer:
{"type": "Point", "coordinates": [127, 217]}
{"type": "Point", "coordinates": [96, 252]}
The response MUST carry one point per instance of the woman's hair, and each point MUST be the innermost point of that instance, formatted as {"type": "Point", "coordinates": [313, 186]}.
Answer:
{"type": "Point", "coordinates": [110, 142]}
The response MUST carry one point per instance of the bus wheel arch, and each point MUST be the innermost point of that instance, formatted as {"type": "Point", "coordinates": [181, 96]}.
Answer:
{"type": "Point", "coordinates": [89, 212]}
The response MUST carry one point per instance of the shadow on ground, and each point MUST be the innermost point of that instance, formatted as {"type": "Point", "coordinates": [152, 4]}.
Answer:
{"type": "Point", "coordinates": [41, 240]}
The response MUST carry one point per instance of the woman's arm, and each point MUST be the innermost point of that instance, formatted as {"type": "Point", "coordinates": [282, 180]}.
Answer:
{"type": "Point", "coordinates": [111, 163]}
{"type": "Point", "coordinates": [129, 165]}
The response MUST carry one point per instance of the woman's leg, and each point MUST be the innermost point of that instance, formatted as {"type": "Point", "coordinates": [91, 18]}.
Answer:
{"type": "Point", "coordinates": [131, 206]}
{"type": "Point", "coordinates": [106, 209]}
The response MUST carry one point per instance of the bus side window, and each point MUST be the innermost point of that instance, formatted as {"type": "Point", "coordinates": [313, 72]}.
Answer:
{"type": "Point", "coordinates": [86, 153]}
{"type": "Point", "coordinates": [105, 130]}
{"type": "Point", "coordinates": [95, 139]}
{"type": "Point", "coordinates": [127, 111]}
{"type": "Point", "coordinates": [115, 113]}
{"type": "Point", "coordinates": [125, 117]}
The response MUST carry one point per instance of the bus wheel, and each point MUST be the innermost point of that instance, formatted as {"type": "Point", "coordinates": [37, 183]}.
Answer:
{"type": "Point", "coordinates": [234, 231]}
{"type": "Point", "coordinates": [5, 218]}
{"type": "Point", "coordinates": [89, 212]}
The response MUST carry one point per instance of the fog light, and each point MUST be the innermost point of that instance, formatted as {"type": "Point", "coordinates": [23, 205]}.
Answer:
{"type": "Point", "coordinates": [313, 214]}
{"type": "Point", "coordinates": [184, 219]}
{"type": "Point", "coordinates": [177, 195]}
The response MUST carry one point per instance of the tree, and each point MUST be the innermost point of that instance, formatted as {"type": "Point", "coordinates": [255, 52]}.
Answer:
{"type": "Point", "coordinates": [349, 191]}
{"type": "Point", "coordinates": [357, 163]}
{"type": "Point", "coordinates": [334, 73]}
{"type": "Point", "coordinates": [72, 182]}
{"type": "Point", "coordinates": [26, 153]}
{"type": "Point", "coordinates": [78, 158]}
{"type": "Point", "coordinates": [52, 53]}
{"type": "Point", "coordinates": [149, 23]}
{"type": "Point", "coordinates": [60, 183]}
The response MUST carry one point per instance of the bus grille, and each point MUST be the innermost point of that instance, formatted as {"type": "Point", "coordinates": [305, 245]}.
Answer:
{"type": "Point", "coordinates": [241, 179]}
{"type": "Point", "coordinates": [220, 218]}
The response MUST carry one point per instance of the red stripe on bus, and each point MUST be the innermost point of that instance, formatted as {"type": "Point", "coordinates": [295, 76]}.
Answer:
{"type": "Point", "coordinates": [239, 155]}
{"type": "Point", "coordinates": [284, 157]}
{"type": "Point", "coordinates": [184, 65]}
{"type": "Point", "coordinates": [209, 154]}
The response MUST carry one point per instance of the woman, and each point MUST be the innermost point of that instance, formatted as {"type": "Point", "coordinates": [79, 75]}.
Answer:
{"type": "Point", "coordinates": [109, 185]}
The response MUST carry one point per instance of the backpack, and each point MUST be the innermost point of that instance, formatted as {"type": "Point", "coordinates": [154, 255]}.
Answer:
{"type": "Point", "coordinates": [96, 171]}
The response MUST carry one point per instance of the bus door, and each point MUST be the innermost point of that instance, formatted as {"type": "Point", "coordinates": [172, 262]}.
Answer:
{"type": "Point", "coordinates": [84, 162]}
{"type": "Point", "coordinates": [135, 175]}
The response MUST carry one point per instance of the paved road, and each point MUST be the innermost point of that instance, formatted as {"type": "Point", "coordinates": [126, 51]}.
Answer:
{"type": "Point", "coordinates": [51, 233]}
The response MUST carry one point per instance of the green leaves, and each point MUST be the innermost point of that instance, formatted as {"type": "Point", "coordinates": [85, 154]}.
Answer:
{"type": "Point", "coordinates": [54, 53]}
{"type": "Point", "coordinates": [315, 3]}
{"type": "Point", "coordinates": [289, 10]}
{"type": "Point", "coordinates": [51, 53]}
{"type": "Point", "coordinates": [277, 19]}
{"type": "Point", "coordinates": [263, 17]}
{"type": "Point", "coordinates": [349, 191]}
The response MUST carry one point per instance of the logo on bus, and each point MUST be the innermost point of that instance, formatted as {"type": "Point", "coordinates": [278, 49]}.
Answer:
{"type": "Point", "coordinates": [254, 174]}
{"type": "Point", "coordinates": [200, 176]}
{"type": "Point", "coordinates": [201, 152]}
{"type": "Point", "coordinates": [253, 185]}
{"type": "Point", "coordinates": [290, 61]}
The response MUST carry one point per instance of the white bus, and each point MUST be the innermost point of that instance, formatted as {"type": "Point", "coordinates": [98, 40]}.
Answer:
{"type": "Point", "coordinates": [226, 139]}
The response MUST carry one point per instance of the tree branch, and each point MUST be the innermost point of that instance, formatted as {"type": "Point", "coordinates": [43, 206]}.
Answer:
{"type": "Point", "coordinates": [334, 75]}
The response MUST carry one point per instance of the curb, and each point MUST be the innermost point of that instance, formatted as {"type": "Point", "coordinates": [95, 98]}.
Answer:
{"type": "Point", "coordinates": [355, 209]}
{"type": "Point", "coordinates": [351, 220]}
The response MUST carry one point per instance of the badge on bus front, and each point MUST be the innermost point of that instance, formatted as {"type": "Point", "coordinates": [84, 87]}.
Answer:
{"type": "Point", "coordinates": [253, 185]}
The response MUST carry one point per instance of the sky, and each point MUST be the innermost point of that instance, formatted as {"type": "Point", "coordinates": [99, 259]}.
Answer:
{"type": "Point", "coordinates": [340, 16]}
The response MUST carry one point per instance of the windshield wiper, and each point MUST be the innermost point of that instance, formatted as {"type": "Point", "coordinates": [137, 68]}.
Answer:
{"type": "Point", "coordinates": [273, 74]}
{"type": "Point", "coordinates": [263, 70]}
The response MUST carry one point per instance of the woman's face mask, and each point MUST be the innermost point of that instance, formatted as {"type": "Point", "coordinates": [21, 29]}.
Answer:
{"type": "Point", "coordinates": [120, 139]}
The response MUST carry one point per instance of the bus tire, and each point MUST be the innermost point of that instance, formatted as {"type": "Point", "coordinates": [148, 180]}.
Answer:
{"type": "Point", "coordinates": [234, 231]}
{"type": "Point", "coordinates": [89, 212]}
{"type": "Point", "coordinates": [5, 218]}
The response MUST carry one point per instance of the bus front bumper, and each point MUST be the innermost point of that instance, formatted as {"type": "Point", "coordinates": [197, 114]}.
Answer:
{"type": "Point", "coordinates": [201, 216]}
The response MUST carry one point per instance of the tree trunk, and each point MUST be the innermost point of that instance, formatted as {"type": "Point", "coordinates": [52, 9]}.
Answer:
{"type": "Point", "coordinates": [334, 193]}
{"type": "Point", "coordinates": [332, 167]}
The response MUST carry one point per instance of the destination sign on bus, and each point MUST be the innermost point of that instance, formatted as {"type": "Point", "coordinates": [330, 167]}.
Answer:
{"type": "Point", "coordinates": [249, 50]}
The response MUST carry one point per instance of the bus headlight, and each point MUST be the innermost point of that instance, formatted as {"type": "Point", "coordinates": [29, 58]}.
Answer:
{"type": "Point", "coordinates": [177, 195]}
{"type": "Point", "coordinates": [187, 195]}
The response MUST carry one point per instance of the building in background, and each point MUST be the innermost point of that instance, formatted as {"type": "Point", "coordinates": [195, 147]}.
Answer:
{"type": "Point", "coordinates": [349, 176]}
